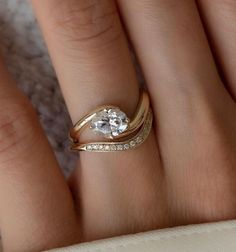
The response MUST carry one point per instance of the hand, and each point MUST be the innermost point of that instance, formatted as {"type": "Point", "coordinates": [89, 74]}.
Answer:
{"type": "Point", "coordinates": [184, 173]}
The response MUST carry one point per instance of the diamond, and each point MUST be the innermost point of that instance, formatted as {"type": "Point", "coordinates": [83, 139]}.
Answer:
{"type": "Point", "coordinates": [126, 146]}
{"type": "Point", "coordinates": [139, 139]}
{"type": "Point", "coordinates": [113, 147]}
{"type": "Point", "coordinates": [89, 147]}
{"type": "Point", "coordinates": [109, 122]}
{"type": "Point", "coordinates": [119, 147]}
{"type": "Point", "coordinates": [107, 147]}
{"type": "Point", "coordinates": [132, 143]}
{"type": "Point", "coordinates": [101, 147]}
{"type": "Point", "coordinates": [95, 147]}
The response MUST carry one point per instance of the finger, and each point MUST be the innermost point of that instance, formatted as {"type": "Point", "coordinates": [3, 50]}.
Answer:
{"type": "Point", "coordinates": [178, 62]}
{"type": "Point", "coordinates": [179, 68]}
{"type": "Point", "coordinates": [92, 60]}
{"type": "Point", "coordinates": [36, 210]}
{"type": "Point", "coordinates": [194, 111]}
{"type": "Point", "coordinates": [219, 18]}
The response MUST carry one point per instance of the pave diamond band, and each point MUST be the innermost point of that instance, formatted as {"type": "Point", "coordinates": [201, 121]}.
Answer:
{"type": "Point", "coordinates": [129, 144]}
{"type": "Point", "coordinates": [121, 132]}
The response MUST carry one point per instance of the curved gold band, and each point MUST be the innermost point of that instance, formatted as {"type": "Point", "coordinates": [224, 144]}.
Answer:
{"type": "Point", "coordinates": [129, 144]}
{"type": "Point", "coordinates": [134, 124]}
{"type": "Point", "coordinates": [135, 133]}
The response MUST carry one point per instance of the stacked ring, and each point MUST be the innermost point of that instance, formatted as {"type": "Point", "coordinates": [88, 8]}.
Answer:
{"type": "Point", "coordinates": [113, 124]}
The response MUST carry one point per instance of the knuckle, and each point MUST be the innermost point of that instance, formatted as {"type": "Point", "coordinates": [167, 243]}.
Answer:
{"type": "Point", "coordinates": [88, 21]}
{"type": "Point", "coordinates": [18, 129]}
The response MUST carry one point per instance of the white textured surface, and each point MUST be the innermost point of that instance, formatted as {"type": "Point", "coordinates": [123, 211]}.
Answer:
{"type": "Point", "coordinates": [209, 237]}
{"type": "Point", "coordinates": [28, 61]}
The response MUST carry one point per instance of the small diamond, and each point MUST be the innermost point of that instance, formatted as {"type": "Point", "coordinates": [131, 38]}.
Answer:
{"type": "Point", "coordinates": [95, 147]}
{"type": "Point", "coordinates": [119, 147]}
{"type": "Point", "coordinates": [89, 147]}
{"type": "Point", "coordinates": [107, 147]}
{"type": "Point", "coordinates": [126, 146]}
{"type": "Point", "coordinates": [113, 147]}
{"type": "Point", "coordinates": [132, 143]}
{"type": "Point", "coordinates": [139, 139]}
{"type": "Point", "coordinates": [101, 147]}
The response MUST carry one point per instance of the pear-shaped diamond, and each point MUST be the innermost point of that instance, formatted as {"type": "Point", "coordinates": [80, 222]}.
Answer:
{"type": "Point", "coordinates": [110, 122]}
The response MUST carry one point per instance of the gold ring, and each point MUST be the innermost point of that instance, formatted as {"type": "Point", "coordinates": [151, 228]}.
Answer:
{"type": "Point", "coordinates": [128, 144]}
{"type": "Point", "coordinates": [113, 124]}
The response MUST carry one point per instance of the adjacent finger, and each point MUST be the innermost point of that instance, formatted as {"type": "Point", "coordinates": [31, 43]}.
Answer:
{"type": "Point", "coordinates": [174, 53]}
{"type": "Point", "coordinates": [36, 209]}
{"type": "Point", "coordinates": [194, 110]}
{"type": "Point", "coordinates": [94, 67]}
{"type": "Point", "coordinates": [181, 75]}
{"type": "Point", "coordinates": [220, 18]}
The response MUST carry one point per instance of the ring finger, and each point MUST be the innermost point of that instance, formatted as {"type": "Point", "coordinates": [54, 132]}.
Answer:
{"type": "Point", "coordinates": [92, 61]}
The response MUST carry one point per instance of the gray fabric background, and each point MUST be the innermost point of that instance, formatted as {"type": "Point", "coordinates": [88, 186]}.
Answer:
{"type": "Point", "coordinates": [28, 61]}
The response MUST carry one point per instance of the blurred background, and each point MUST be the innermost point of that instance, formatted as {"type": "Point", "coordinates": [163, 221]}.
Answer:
{"type": "Point", "coordinates": [29, 63]}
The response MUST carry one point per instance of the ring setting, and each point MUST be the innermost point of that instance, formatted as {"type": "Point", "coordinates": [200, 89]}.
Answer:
{"type": "Point", "coordinates": [110, 123]}
{"type": "Point", "coordinates": [120, 133]}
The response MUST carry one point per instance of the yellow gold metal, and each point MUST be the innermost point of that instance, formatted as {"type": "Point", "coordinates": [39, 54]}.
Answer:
{"type": "Point", "coordinates": [134, 124]}
{"type": "Point", "coordinates": [124, 145]}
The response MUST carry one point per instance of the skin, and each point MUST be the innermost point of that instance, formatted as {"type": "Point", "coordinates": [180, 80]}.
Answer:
{"type": "Point", "coordinates": [184, 173]}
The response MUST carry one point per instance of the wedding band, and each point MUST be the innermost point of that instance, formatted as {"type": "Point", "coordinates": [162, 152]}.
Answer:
{"type": "Point", "coordinates": [129, 144]}
{"type": "Point", "coordinates": [113, 124]}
